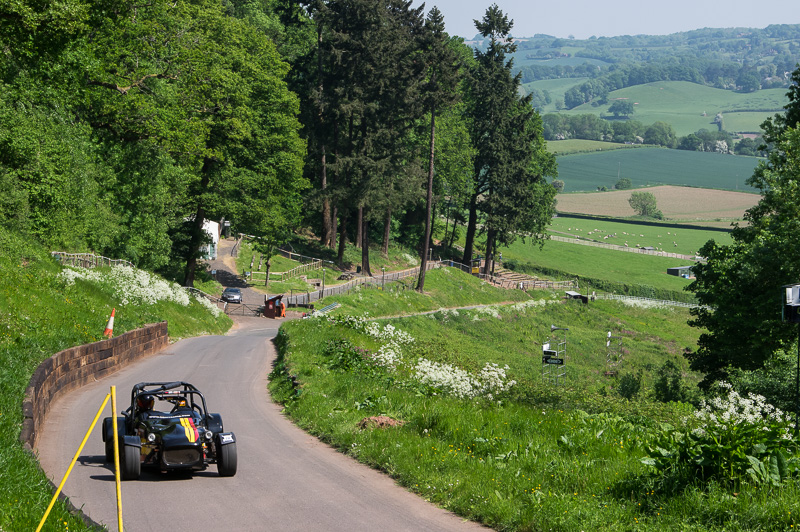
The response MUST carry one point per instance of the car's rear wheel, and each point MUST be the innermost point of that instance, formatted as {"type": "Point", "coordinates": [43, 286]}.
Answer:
{"type": "Point", "coordinates": [227, 460]}
{"type": "Point", "coordinates": [131, 463]}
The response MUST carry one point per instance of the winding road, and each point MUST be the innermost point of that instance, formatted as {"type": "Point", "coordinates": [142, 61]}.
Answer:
{"type": "Point", "coordinates": [287, 480]}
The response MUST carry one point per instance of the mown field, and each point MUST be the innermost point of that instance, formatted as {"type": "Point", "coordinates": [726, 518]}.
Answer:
{"type": "Point", "coordinates": [473, 423]}
{"type": "Point", "coordinates": [598, 266]}
{"type": "Point", "coordinates": [689, 107]}
{"type": "Point", "coordinates": [683, 241]}
{"type": "Point", "coordinates": [585, 172]}
{"type": "Point", "coordinates": [678, 204]}
{"type": "Point", "coordinates": [570, 146]}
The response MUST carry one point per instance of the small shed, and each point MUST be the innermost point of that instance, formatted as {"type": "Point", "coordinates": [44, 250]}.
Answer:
{"type": "Point", "coordinates": [680, 271]}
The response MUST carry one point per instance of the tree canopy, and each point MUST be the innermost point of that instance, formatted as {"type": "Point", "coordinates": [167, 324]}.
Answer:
{"type": "Point", "coordinates": [153, 118]}
{"type": "Point", "coordinates": [739, 285]}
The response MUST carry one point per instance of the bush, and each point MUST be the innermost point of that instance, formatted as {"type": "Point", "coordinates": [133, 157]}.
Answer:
{"type": "Point", "coordinates": [623, 184]}
{"type": "Point", "coordinates": [738, 440]}
{"type": "Point", "coordinates": [629, 385]}
{"type": "Point", "coordinates": [669, 384]}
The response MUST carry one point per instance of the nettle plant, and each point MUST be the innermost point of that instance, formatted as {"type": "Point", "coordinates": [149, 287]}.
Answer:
{"type": "Point", "coordinates": [730, 439]}
{"type": "Point", "coordinates": [489, 382]}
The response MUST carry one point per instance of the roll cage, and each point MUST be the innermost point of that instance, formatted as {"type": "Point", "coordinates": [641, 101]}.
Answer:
{"type": "Point", "coordinates": [177, 393]}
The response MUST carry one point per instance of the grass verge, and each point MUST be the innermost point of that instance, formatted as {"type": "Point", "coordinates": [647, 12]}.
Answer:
{"type": "Point", "coordinates": [517, 456]}
{"type": "Point", "coordinates": [41, 314]}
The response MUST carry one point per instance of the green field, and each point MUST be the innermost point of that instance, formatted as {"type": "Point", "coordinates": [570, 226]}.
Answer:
{"type": "Point", "coordinates": [654, 166]}
{"type": "Point", "coordinates": [556, 88]}
{"type": "Point", "coordinates": [683, 241]}
{"type": "Point", "coordinates": [570, 146]}
{"type": "Point", "coordinates": [683, 104]}
{"type": "Point", "coordinates": [575, 260]}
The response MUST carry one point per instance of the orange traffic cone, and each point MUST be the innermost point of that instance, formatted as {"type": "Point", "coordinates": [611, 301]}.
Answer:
{"type": "Point", "coordinates": [109, 332]}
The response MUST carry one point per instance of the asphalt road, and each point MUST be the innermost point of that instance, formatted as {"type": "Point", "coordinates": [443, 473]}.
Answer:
{"type": "Point", "coordinates": [286, 481]}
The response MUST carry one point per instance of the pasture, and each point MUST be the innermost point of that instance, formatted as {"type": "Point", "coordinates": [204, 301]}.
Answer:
{"type": "Point", "coordinates": [689, 107]}
{"type": "Point", "coordinates": [584, 172]}
{"type": "Point", "coordinates": [678, 204]}
{"type": "Point", "coordinates": [571, 146]}
{"type": "Point", "coordinates": [556, 88]}
{"type": "Point", "coordinates": [669, 239]}
{"type": "Point", "coordinates": [575, 260]}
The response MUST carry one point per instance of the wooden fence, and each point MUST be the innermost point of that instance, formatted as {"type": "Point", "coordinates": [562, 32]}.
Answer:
{"type": "Point", "coordinates": [309, 297]}
{"type": "Point", "coordinates": [283, 276]}
{"type": "Point", "coordinates": [88, 260]}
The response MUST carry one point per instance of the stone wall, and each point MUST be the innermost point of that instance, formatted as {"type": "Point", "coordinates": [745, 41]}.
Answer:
{"type": "Point", "coordinates": [77, 366]}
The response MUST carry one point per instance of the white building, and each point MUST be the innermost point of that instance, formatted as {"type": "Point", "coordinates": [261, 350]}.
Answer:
{"type": "Point", "coordinates": [209, 251]}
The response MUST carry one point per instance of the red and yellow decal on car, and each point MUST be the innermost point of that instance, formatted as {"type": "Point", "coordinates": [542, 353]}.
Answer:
{"type": "Point", "coordinates": [191, 431]}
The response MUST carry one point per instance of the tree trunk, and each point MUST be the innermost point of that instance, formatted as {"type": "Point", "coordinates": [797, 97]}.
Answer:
{"type": "Point", "coordinates": [428, 207]}
{"type": "Point", "coordinates": [197, 227]}
{"type": "Point", "coordinates": [269, 266]}
{"type": "Point", "coordinates": [360, 227]}
{"type": "Point", "coordinates": [387, 231]}
{"type": "Point", "coordinates": [365, 243]}
{"type": "Point", "coordinates": [472, 226]}
{"type": "Point", "coordinates": [342, 239]}
{"type": "Point", "coordinates": [334, 227]}
{"type": "Point", "coordinates": [490, 237]}
{"type": "Point", "coordinates": [327, 225]}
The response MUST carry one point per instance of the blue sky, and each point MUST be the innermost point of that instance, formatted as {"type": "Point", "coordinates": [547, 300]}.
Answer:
{"type": "Point", "coordinates": [584, 18]}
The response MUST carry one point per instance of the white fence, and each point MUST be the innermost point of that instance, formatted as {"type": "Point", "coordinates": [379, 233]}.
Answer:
{"type": "Point", "coordinates": [616, 247]}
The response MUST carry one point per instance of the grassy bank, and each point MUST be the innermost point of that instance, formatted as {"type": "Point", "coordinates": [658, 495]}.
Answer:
{"type": "Point", "coordinates": [603, 269]}
{"type": "Point", "coordinates": [42, 312]}
{"type": "Point", "coordinates": [444, 288]}
{"type": "Point", "coordinates": [470, 424]}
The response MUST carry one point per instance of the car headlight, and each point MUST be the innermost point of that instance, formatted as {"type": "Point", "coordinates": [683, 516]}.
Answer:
{"type": "Point", "coordinates": [151, 437]}
{"type": "Point", "coordinates": [208, 435]}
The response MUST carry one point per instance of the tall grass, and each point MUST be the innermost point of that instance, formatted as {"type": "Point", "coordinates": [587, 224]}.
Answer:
{"type": "Point", "coordinates": [537, 457]}
{"type": "Point", "coordinates": [41, 314]}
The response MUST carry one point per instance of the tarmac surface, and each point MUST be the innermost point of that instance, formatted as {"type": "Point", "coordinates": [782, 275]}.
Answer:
{"type": "Point", "coordinates": [287, 480]}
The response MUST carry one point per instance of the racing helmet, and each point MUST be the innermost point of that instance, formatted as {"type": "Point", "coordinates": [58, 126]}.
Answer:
{"type": "Point", "coordinates": [145, 401]}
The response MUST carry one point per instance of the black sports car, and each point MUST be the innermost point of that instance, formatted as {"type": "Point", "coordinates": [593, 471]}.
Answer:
{"type": "Point", "coordinates": [167, 427]}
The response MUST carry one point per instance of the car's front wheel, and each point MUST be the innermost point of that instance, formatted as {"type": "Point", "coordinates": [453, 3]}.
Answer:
{"type": "Point", "coordinates": [227, 460]}
{"type": "Point", "coordinates": [110, 452]}
{"type": "Point", "coordinates": [131, 463]}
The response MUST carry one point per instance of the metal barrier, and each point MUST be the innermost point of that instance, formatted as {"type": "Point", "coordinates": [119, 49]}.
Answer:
{"type": "Point", "coordinates": [664, 302]}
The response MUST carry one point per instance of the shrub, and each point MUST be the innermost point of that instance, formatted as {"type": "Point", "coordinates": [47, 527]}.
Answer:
{"type": "Point", "coordinates": [623, 184]}
{"type": "Point", "coordinates": [669, 384]}
{"type": "Point", "coordinates": [629, 385]}
{"type": "Point", "coordinates": [738, 439]}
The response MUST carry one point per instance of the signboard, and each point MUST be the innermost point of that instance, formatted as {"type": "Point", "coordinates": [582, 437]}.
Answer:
{"type": "Point", "coordinates": [551, 360]}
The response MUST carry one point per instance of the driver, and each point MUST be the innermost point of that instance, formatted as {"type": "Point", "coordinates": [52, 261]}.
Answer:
{"type": "Point", "coordinates": [145, 403]}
